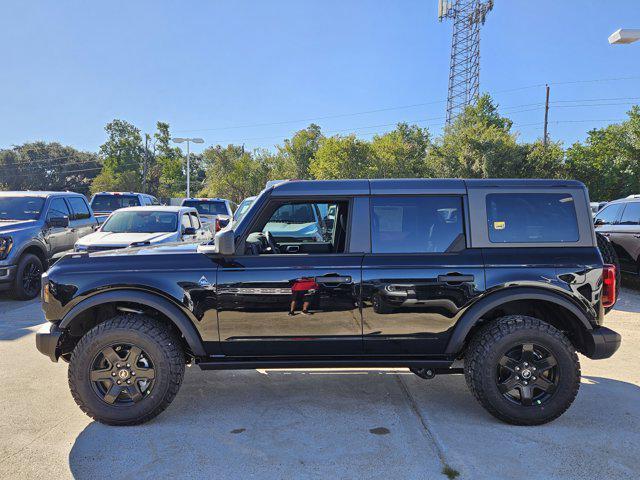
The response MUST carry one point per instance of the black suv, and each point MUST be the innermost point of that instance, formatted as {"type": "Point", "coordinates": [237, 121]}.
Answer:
{"type": "Point", "coordinates": [500, 280]}
{"type": "Point", "coordinates": [619, 222]}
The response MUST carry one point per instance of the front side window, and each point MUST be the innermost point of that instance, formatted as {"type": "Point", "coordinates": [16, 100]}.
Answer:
{"type": "Point", "coordinates": [195, 221]}
{"type": "Point", "coordinates": [79, 207]}
{"type": "Point", "coordinates": [631, 214]}
{"type": "Point", "coordinates": [20, 208]}
{"type": "Point", "coordinates": [427, 224]}
{"type": "Point", "coordinates": [302, 228]}
{"type": "Point", "coordinates": [58, 209]}
{"type": "Point", "coordinates": [532, 218]}
{"type": "Point", "coordinates": [186, 223]}
{"type": "Point", "coordinates": [141, 222]}
{"type": "Point", "coordinates": [608, 215]}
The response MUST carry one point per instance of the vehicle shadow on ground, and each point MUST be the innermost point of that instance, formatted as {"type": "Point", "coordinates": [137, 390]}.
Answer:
{"type": "Point", "coordinates": [340, 424]}
{"type": "Point", "coordinates": [17, 318]}
{"type": "Point", "coordinates": [629, 295]}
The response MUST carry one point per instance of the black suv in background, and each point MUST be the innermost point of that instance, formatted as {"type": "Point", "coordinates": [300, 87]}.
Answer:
{"type": "Point", "coordinates": [34, 227]}
{"type": "Point", "coordinates": [500, 280]}
{"type": "Point", "coordinates": [619, 222]}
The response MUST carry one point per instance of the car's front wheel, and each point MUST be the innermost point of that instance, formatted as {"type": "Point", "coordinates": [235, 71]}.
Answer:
{"type": "Point", "coordinates": [28, 277]}
{"type": "Point", "coordinates": [522, 370]}
{"type": "Point", "coordinates": [126, 370]}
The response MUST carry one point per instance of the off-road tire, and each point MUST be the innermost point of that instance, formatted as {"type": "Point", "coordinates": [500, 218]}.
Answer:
{"type": "Point", "coordinates": [27, 261]}
{"type": "Point", "coordinates": [610, 256]}
{"type": "Point", "coordinates": [153, 337]}
{"type": "Point", "coordinates": [492, 341]}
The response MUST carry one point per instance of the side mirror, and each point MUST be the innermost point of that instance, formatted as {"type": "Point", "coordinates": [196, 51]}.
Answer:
{"type": "Point", "coordinates": [189, 231]}
{"type": "Point", "coordinates": [598, 222]}
{"type": "Point", "coordinates": [225, 240]}
{"type": "Point", "coordinates": [62, 222]}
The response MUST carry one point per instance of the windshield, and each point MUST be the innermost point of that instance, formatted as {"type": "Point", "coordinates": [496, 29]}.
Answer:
{"type": "Point", "coordinates": [292, 213]}
{"type": "Point", "coordinates": [109, 203]}
{"type": "Point", "coordinates": [141, 222]}
{"type": "Point", "coordinates": [242, 208]}
{"type": "Point", "coordinates": [207, 207]}
{"type": "Point", "coordinates": [20, 208]}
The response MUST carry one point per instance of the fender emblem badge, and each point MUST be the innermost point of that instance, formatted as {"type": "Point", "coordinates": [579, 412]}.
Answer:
{"type": "Point", "coordinates": [203, 282]}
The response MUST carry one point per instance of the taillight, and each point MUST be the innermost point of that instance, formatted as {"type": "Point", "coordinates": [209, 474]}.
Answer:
{"type": "Point", "coordinates": [608, 285]}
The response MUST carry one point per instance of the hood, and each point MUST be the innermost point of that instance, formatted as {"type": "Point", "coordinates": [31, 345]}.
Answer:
{"type": "Point", "coordinates": [13, 226]}
{"type": "Point", "coordinates": [293, 229]}
{"type": "Point", "coordinates": [109, 239]}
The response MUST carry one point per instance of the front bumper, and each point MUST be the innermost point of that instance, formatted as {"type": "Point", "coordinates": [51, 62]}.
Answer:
{"type": "Point", "coordinates": [7, 274]}
{"type": "Point", "coordinates": [601, 342]}
{"type": "Point", "coordinates": [48, 341]}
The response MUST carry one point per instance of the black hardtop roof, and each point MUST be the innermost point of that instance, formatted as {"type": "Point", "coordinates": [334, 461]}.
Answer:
{"type": "Point", "coordinates": [410, 186]}
{"type": "Point", "coordinates": [36, 193]}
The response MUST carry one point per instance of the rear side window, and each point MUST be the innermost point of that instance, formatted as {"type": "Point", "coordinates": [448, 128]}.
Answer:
{"type": "Point", "coordinates": [415, 224]}
{"type": "Point", "coordinates": [79, 207]}
{"type": "Point", "coordinates": [531, 218]}
{"type": "Point", "coordinates": [608, 215]}
{"type": "Point", "coordinates": [631, 214]}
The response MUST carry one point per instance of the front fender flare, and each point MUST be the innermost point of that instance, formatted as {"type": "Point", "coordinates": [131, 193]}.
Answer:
{"type": "Point", "coordinates": [164, 306]}
{"type": "Point", "coordinates": [473, 315]}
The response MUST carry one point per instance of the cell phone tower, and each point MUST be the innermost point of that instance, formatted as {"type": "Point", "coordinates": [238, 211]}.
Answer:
{"type": "Point", "coordinates": [464, 70]}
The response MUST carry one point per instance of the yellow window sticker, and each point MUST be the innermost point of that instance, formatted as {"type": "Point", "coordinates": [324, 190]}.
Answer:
{"type": "Point", "coordinates": [499, 225]}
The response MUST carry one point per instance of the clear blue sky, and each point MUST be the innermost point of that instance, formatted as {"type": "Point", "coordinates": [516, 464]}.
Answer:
{"type": "Point", "coordinates": [210, 68]}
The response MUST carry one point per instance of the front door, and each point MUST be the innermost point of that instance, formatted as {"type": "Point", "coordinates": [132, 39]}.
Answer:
{"type": "Point", "coordinates": [295, 290]}
{"type": "Point", "coordinates": [60, 239]}
{"type": "Point", "coordinates": [419, 275]}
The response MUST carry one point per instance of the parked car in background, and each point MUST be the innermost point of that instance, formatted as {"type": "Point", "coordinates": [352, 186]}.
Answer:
{"type": "Point", "coordinates": [619, 222]}
{"type": "Point", "coordinates": [215, 212]}
{"type": "Point", "coordinates": [243, 208]}
{"type": "Point", "coordinates": [138, 226]}
{"type": "Point", "coordinates": [34, 227]}
{"type": "Point", "coordinates": [104, 203]}
{"type": "Point", "coordinates": [596, 206]}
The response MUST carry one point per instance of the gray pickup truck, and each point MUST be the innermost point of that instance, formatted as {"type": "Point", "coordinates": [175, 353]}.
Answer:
{"type": "Point", "coordinates": [34, 227]}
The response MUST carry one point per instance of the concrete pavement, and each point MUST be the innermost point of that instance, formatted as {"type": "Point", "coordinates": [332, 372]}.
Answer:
{"type": "Point", "coordinates": [295, 424]}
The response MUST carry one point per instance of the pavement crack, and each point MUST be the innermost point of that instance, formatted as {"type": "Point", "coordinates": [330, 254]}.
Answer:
{"type": "Point", "coordinates": [33, 440]}
{"type": "Point", "coordinates": [426, 426]}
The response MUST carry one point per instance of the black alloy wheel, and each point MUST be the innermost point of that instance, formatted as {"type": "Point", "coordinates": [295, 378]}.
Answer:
{"type": "Point", "coordinates": [122, 374]}
{"type": "Point", "coordinates": [528, 375]}
{"type": "Point", "coordinates": [31, 278]}
{"type": "Point", "coordinates": [28, 278]}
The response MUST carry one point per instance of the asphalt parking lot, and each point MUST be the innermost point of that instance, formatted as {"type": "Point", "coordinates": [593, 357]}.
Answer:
{"type": "Point", "coordinates": [315, 423]}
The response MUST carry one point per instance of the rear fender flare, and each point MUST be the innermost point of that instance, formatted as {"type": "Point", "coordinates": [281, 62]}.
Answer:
{"type": "Point", "coordinates": [475, 313]}
{"type": "Point", "coordinates": [164, 306]}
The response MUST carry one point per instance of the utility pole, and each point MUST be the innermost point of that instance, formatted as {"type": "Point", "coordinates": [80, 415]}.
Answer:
{"type": "Point", "coordinates": [146, 163]}
{"type": "Point", "coordinates": [545, 138]}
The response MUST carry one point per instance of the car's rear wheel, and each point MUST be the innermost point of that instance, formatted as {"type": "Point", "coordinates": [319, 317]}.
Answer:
{"type": "Point", "coordinates": [28, 277]}
{"type": "Point", "coordinates": [522, 370]}
{"type": "Point", "coordinates": [126, 370]}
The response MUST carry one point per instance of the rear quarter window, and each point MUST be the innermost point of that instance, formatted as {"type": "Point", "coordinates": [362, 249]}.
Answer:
{"type": "Point", "coordinates": [532, 218]}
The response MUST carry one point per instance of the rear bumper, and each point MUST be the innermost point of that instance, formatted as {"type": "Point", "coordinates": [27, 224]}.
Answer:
{"type": "Point", "coordinates": [48, 340]}
{"type": "Point", "coordinates": [602, 342]}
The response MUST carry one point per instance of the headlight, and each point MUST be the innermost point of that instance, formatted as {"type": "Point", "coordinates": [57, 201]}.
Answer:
{"type": "Point", "coordinates": [5, 247]}
{"type": "Point", "coordinates": [80, 248]}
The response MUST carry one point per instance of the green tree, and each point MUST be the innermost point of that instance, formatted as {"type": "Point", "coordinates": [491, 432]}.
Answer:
{"type": "Point", "coordinates": [47, 166]}
{"type": "Point", "coordinates": [233, 173]}
{"type": "Point", "coordinates": [297, 153]}
{"type": "Point", "coordinates": [343, 157]}
{"type": "Point", "coordinates": [122, 157]}
{"type": "Point", "coordinates": [403, 153]}
{"type": "Point", "coordinates": [169, 164]}
{"type": "Point", "coordinates": [479, 144]}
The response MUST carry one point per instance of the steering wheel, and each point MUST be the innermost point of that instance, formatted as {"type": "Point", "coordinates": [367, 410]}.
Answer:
{"type": "Point", "coordinates": [272, 242]}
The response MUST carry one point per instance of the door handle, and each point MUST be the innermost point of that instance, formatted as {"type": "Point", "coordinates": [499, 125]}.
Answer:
{"type": "Point", "coordinates": [333, 280]}
{"type": "Point", "coordinates": [454, 278]}
{"type": "Point", "coordinates": [292, 248]}
{"type": "Point", "coordinates": [605, 234]}
{"type": "Point", "coordinates": [636, 235]}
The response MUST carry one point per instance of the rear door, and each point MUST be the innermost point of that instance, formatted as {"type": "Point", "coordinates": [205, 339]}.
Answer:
{"type": "Point", "coordinates": [626, 237]}
{"type": "Point", "coordinates": [81, 221]}
{"type": "Point", "coordinates": [420, 273]}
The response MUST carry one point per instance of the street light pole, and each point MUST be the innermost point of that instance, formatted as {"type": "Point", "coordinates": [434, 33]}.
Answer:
{"type": "Point", "coordinates": [188, 140]}
{"type": "Point", "coordinates": [624, 35]}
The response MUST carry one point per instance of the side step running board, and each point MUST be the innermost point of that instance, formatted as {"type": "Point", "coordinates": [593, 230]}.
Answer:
{"type": "Point", "coordinates": [254, 363]}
